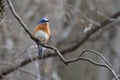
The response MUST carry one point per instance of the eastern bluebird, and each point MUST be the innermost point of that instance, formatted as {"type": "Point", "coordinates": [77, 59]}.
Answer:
{"type": "Point", "coordinates": [42, 33]}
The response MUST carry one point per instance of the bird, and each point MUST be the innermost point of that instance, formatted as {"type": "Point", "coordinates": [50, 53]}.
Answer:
{"type": "Point", "coordinates": [42, 33]}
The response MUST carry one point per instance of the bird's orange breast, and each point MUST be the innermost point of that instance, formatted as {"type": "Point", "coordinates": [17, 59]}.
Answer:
{"type": "Point", "coordinates": [44, 27]}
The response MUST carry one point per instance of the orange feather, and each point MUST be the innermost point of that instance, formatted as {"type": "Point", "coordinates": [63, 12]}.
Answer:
{"type": "Point", "coordinates": [43, 27]}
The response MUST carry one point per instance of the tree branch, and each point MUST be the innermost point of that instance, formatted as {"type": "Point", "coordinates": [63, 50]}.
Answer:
{"type": "Point", "coordinates": [18, 18]}
{"type": "Point", "coordinates": [95, 63]}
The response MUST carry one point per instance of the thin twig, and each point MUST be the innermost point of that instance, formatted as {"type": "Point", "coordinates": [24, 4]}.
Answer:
{"type": "Point", "coordinates": [29, 72]}
{"type": "Point", "coordinates": [95, 63]}
{"type": "Point", "coordinates": [99, 54]}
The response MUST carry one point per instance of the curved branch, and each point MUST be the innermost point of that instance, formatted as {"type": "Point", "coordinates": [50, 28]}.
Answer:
{"type": "Point", "coordinates": [95, 63]}
{"type": "Point", "coordinates": [99, 54]}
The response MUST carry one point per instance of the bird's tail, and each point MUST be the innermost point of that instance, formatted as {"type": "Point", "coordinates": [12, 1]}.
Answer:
{"type": "Point", "coordinates": [40, 51]}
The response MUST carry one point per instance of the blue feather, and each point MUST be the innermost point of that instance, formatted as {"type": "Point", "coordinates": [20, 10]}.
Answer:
{"type": "Point", "coordinates": [43, 20]}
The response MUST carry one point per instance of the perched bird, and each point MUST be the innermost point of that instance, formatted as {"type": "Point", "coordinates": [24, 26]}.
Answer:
{"type": "Point", "coordinates": [42, 33]}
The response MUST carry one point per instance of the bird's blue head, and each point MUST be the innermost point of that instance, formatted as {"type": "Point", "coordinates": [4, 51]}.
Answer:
{"type": "Point", "coordinates": [43, 20]}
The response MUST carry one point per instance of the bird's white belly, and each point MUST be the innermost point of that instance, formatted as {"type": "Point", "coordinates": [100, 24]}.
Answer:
{"type": "Point", "coordinates": [42, 36]}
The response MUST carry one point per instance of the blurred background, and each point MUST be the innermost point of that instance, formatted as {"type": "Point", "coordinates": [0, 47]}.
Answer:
{"type": "Point", "coordinates": [69, 20]}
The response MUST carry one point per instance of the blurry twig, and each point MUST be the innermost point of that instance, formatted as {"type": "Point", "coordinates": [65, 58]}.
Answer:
{"type": "Point", "coordinates": [29, 72]}
{"type": "Point", "coordinates": [83, 14]}
{"type": "Point", "coordinates": [102, 14]}
{"type": "Point", "coordinates": [109, 44]}
{"type": "Point", "coordinates": [29, 51]}
{"type": "Point", "coordinates": [7, 63]}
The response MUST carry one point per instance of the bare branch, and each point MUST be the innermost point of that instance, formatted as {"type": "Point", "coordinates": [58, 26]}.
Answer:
{"type": "Point", "coordinates": [19, 19]}
{"type": "Point", "coordinates": [99, 54]}
{"type": "Point", "coordinates": [95, 63]}
{"type": "Point", "coordinates": [65, 61]}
